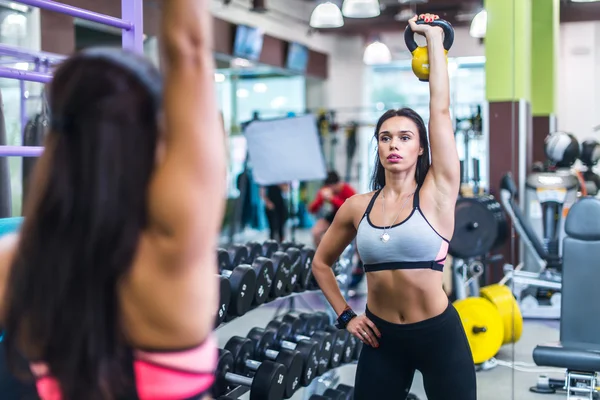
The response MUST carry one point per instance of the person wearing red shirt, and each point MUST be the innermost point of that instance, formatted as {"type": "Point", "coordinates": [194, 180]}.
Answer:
{"type": "Point", "coordinates": [332, 195]}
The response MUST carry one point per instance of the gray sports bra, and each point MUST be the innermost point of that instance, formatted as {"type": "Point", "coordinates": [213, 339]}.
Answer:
{"type": "Point", "coordinates": [412, 244]}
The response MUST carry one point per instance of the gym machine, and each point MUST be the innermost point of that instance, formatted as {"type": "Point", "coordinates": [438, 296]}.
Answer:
{"type": "Point", "coordinates": [539, 221]}
{"type": "Point", "coordinates": [536, 282]}
{"type": "Point", "coordinates": [577, 350]}
{"type": "Point", "coordinates": [589, 156]}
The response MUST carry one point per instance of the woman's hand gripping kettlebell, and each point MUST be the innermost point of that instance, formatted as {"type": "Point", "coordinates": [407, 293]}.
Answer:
{"type": "Point", "coordinates": [424, 28]}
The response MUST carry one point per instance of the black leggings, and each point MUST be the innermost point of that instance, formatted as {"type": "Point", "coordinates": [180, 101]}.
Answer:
{"type": "Point", "coordinates": [437, 347]}
{"type": "Point", "coordinates": [277, 218]}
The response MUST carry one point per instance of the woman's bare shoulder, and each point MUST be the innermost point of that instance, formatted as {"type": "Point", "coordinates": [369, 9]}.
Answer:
{"type": "Point", "coordinates": [359, 202]}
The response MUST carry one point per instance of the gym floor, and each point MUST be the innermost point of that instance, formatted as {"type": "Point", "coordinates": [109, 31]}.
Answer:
{"type": "Point", "coordinates": [510, 379]}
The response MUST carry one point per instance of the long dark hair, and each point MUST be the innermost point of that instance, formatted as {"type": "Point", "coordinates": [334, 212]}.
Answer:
{"type": "Point", "coordinates": [83, 219]}
{"type": "Point", "coordinates": [378, 177]}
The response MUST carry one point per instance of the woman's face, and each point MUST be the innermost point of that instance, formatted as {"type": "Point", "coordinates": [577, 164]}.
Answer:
{"type": "Point", "coordinates": [398, 144]}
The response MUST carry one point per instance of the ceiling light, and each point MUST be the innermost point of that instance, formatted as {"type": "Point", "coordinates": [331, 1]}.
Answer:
{"type": "Point", "coordinates": [479, 25]}
{"type": "Point", "coordinates": [326, 15]}
{"type": "Point", "coordinates": [584, 1]}
{"type": "Point", "coordinates": [260, 88]}
{"type": "Point", "coordinates": [377, 53]}
{"type": "Point", "coordinates": [361, 8]}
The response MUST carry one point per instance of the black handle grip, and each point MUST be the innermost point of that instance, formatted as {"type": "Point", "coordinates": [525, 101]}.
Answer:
{"type": "Point", "coordinates": [409, 35]}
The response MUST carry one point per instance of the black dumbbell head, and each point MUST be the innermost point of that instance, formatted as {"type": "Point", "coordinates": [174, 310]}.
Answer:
{"type": "Point", "coordinates": [268, 382]}
{"type": "Point", "coordinates": [243, 287]}
{"type": "Point", "coordinates": [241, 349]}
{"type": "Point", "coordinates": [281, 266]}
{"type": "Point", "coordinates": [295, 270]}
{"type": "Point", "coordinates": [238, 254]}
{"type": "Point", "coordinates": [309, 350]}
{"type": "Point", "coordinates": [263, 267]}
{"type": "Point", "coordinates": [282, 330]}
{"type": "Point", "coordinates": [306, 256]}
{"type": "Point", "coordinates": [223, 259]}
{"type": "Point", "coordinates": [269, 247]}
{"type": "Point", "coordinates": [254, 250]}
{"type": "Point", "coordinates": [300, 326]}
{"type": "Point", "coordinates": [347, 390]}
{"type": "Point", "coordinates": [326, 340]}
{"type": "Point", "coordinates": [294, 364]}
{"type": "Point", "coordinates": [349, 349]}
{"type": "Point", "coordinates": [323, 320]}
{"type": "Point", "coordinates": [224, 365]}
{"type": "Point", "coordinates": [287, 245]}
{"type": "Point", "coordinates": [357, 349]}
{"type": "Point", "coordinates": [333, 394]}
{"type": "Point", "coordinates": [224, 299]}
{"type": "Point", "coordinates": [263, 340]}
{"type": "Point", "coordinates": [340, 338]}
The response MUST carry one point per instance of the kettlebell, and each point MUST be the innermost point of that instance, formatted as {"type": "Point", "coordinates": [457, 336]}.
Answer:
{"type": "Point", "coordinates": [420, 60]}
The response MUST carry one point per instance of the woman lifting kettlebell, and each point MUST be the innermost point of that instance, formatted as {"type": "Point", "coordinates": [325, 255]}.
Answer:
{"type": "Point", "coordinates": [402, 230]}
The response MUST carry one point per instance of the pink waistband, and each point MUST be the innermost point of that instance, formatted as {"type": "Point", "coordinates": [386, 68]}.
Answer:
{"type": "Point", "coordinates": [158, 375]}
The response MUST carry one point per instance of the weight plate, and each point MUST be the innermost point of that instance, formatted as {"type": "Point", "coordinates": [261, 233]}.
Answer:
{"type": "Point", "coordinates": [483, 325]}
{"type": "Point", "coordinates": [480, 226]}
{"type": "Point", "coordinates": [505, 302]}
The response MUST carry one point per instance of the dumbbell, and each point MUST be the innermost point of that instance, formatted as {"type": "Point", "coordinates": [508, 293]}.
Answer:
{"type": "Point", "coordinates": [238, 254]}
{"type": "Point", "coordinates": [265, 274]}
{"type": "Point", "coordinates": [306, 256]}
{"type": "Point", "coordinates": [262, 267]}
{"type": "Point", "coordinates": [357, 349]}
{"type": "Point", "coordinates": [224, 299]}
{"type": "Point", "coordinates": [255, 250]}
{"type": "Point", "coordinates": [242, 279]}
{"type": "Point", "coordinates": [243, 351]}
{"type": "Point", "coordinates": [281, 266]}
{"type": "Point", "coordinates": [268, 382]}
{"type": "Point", "coordinates": [324, 339]}
{"type": "Point", "coordinates": [266, 341]}
{"type": "Point", "coordinates": [307, 323]}
{"type": "Point", "coordinates": [287, 245]}
{"type": "Point", "coordinates": [342, 346]}
{"type": "Point", "coordinates": [341, 392]}
{"type": "Point", "coordinates": [269, 247]}
{"type": "Point", "coordinates": [295, 270]}
{"type": "Point", "coordinates": [347, 390]}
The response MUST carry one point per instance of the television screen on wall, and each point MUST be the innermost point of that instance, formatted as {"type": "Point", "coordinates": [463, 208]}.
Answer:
{"type": "Point", "coordinates": [248, 42]}
{"type": "Point", "coordinates": [297, 57]}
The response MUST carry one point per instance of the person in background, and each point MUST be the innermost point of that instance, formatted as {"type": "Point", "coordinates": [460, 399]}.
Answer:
{"type": "Point", "coordinates": [331, 196]}
{"type": "Point", "coordinates": [276, 209]}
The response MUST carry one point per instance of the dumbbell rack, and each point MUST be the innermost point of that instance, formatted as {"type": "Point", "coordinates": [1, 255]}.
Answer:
{"type": "Point", "coordinates": [343, 269]}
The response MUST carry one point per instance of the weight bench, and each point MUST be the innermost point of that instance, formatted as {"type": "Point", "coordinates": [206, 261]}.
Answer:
{"type": "Point", "coordinates": [549, 265]}
{"type": "Point", "coordinates": [579, 348]}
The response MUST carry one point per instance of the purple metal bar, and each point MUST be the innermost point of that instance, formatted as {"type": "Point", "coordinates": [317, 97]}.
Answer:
{"type": "Point", "coordinates": [28, 55]}
{"type": "Point", "coordinates": [31, 76]}
{"type": "Point", "coordinates": [79, 13]}
{"type": "Point", "coordinates": [133, 39]}
{"type": "Point", "coordinates": [23, 110]}
{"type": "Point", "coordinates": [21, 151]}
